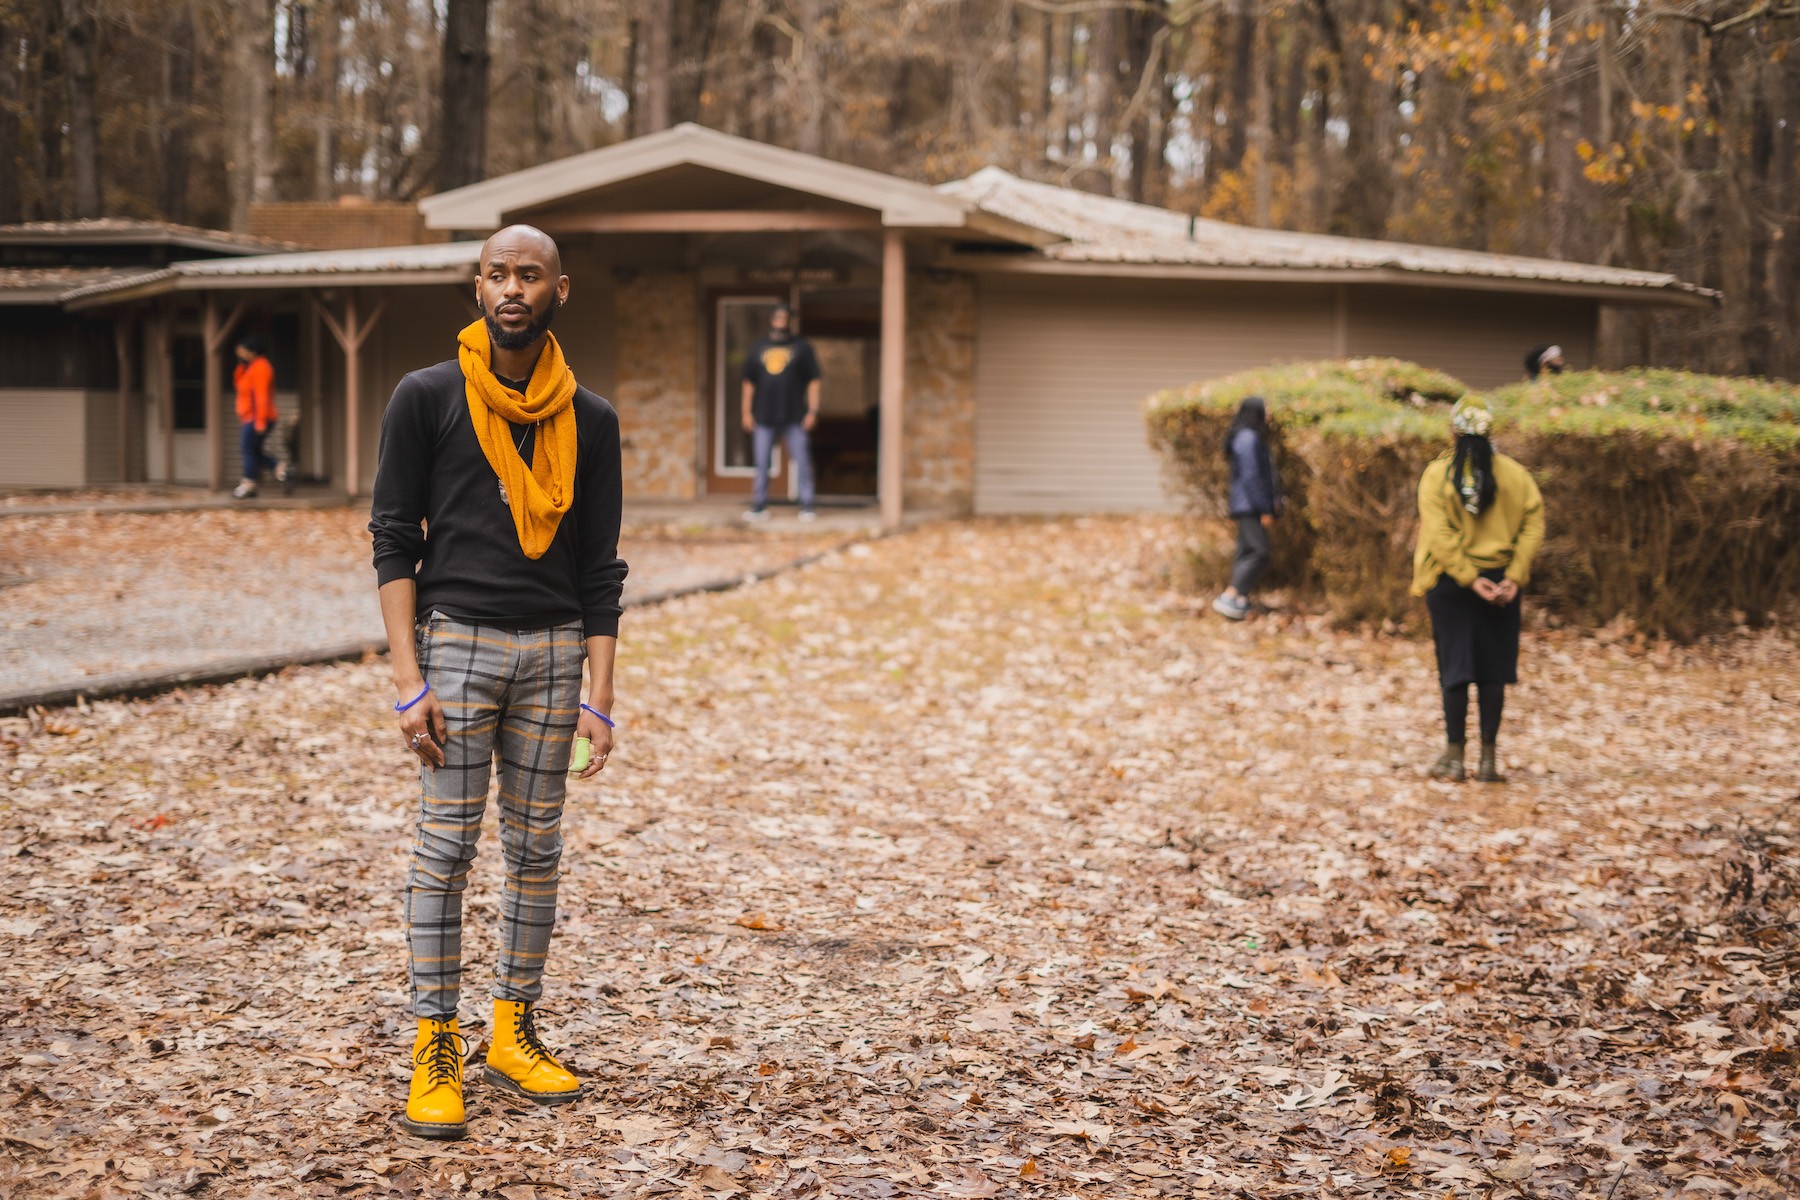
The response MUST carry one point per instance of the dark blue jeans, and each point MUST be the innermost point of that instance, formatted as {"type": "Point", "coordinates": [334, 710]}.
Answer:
{"type": "Point", "coordinates": [251, 442]}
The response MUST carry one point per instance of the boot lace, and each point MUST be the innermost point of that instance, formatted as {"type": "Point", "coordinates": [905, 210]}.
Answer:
{"type": "Point", "coordinates": [527, 1035]}
{"type": "Point", "coordinates": [442, 1056]}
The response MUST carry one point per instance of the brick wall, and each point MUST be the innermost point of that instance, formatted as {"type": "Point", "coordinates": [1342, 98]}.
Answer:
{"type": "Point", "coordinates": [657, 329]}
{"type": "Point", "coordinates": [940, 392]}
{"type": "Point", "coordinates": [342, 225]}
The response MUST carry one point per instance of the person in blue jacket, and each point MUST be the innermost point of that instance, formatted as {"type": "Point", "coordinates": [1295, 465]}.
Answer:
{"type": "Point", "coordinates": [1255, 502]}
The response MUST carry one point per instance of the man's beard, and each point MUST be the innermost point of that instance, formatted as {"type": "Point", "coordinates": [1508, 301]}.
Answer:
{"type": "Point", "coordinates": [539, 326]}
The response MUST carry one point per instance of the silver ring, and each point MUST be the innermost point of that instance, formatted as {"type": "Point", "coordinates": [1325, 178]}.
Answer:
{"type": "Point", "coordinates": [416, 739]}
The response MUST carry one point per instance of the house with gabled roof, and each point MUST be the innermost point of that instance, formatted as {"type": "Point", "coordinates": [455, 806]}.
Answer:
{"type": "Point", "coordinates": [987, 343]}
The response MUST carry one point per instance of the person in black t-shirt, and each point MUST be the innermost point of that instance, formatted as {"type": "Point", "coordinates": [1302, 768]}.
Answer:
{"type": "Point", "coordinates": [781, 403]}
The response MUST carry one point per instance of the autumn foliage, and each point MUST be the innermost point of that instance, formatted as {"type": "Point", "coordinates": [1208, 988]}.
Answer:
{"type": "Point", "coordinates": [1673, 500]}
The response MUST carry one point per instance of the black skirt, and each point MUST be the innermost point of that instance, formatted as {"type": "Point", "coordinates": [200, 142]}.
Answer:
{"type": "Point", "coordinates": [1477, 642]}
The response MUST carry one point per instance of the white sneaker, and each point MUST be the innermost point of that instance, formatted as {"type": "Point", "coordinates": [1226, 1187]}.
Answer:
{"type": "Point", "coordinates": [1232, 609]}
{"type": "Point", "coordinates": [756, 514]}
{"type": "Point", "coordinates": [807, 514]}
{"type": "Point", "coordinates": [243, 491]}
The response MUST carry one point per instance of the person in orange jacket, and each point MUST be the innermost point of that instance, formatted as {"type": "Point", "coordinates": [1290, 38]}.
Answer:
{"type": "Point", "coordinates": [255, 380]}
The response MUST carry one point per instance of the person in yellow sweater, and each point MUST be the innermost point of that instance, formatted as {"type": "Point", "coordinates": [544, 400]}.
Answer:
{"type": "Point", "coordinates": [1481, 521]}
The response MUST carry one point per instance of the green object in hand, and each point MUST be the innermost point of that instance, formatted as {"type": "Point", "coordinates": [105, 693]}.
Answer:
{"type": "Point", "coordinates": [584, 750]}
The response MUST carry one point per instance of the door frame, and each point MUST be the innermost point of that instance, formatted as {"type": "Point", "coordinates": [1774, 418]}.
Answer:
{"type": "Point", "coordinates": [720, 401]}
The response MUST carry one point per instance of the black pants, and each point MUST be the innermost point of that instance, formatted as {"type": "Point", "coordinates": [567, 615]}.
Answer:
{"type": "Point", "coordinates": [1476, 643]}
{"type": "Point", "coordinates": [1252, 554]}
{"type": "Point", "coordinates": [1490, 702]}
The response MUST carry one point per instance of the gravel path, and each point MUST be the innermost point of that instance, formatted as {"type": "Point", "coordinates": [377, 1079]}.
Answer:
{"type": "Point", "coordinates": [95, 597]}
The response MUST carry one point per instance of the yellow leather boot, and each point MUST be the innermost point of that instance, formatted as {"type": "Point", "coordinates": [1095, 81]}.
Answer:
{"type": "Point", "coordinates": [518, 1061]}
{"type": "Point", "coordinates": [434, 1106]}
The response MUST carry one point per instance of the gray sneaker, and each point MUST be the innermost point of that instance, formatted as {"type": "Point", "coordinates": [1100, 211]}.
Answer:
{"type": "Point", "coordinates": [1232, 609]}
{"type": "Point", "coordinates": [807, 514]}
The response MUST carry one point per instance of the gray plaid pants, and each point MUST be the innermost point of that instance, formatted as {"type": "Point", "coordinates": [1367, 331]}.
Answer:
{"type": "Point", "coordinates": [514, 694]}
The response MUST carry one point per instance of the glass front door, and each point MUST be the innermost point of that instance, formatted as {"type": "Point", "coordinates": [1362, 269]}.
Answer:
{"type": "Point", "coordinates": [738, 321]}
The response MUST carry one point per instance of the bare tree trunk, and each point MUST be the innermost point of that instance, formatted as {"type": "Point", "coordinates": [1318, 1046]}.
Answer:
{"type": "Point", "coordinates": [1261, 133]}
{"type": "Point", "coordinates": [1365, 190]}
{"type": "Point", "coordinates": [253, 166]}
{"type": "Point", "coordinates": [1102, 99]}
{"type": "Point", "coordinates": [326, 33]}
{"type": "Point", "coordinates": [463, 95]}
{"type": "Point", "coordinates": [12, 199]}
{"type": "Point", "coordinates": [691, 57]}
{"type": "Point", "coordinates": [1238, 100]}
{"type": "Point", "coordinates": [80, 32]}
{"type": "Point", "coordinates": [1058, 70]}
{"type": "Point", "coordinates": [174, 116]}
{"type": "Point", "coordinates": [810, 91]}
{"type": "Point", "coordinates": [657, 62]}
{"type": "Point", "coordinates": [1146, 74]}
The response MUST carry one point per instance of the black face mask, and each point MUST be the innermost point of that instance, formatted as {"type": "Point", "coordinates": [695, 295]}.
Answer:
{"type": "Point", "coordinates": [539, 326]}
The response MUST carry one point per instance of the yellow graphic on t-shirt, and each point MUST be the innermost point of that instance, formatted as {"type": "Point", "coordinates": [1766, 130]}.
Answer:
{"type": "Point", "coordinates": [776, 358]}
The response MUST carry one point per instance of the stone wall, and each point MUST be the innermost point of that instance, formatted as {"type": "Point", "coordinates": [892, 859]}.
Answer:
{"type": "Point", "coordinates": [658, 339]}
{"type": "Point", "coordinates": [940, 393]}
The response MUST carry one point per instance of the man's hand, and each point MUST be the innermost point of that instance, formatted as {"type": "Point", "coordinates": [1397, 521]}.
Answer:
{"type": "Point", "coordinates": [809, 420]}
{"type": "Point", "coordinates": [600, 740]}
{"type": "Point", "coordinates": [1506, 591]}
{"type": "Point", "coordinates": [1486, 588]}
{"type": "Point", "coordinates": [749, 423]}
{"type": "Point", "coordinates": [423, 726]}
{"type": "Point", "coordinates": [1268, 520]}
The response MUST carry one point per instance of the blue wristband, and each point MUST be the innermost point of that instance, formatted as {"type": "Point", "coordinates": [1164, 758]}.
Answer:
{"type": "Point", "coordinates": [610, 723]}
{"type": "Point", "coordinates": [414, 700]}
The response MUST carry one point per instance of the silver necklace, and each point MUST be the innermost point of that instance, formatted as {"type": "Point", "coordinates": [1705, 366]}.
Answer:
{"type": "Point", "coordinates": [519, 449]}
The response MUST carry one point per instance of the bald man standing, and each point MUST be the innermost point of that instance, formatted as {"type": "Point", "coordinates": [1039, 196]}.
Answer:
{"type": "Point", "coordinates": [496, 529]}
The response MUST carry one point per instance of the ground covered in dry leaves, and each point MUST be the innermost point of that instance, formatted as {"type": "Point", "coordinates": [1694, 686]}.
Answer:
{"type": "Point", "coordinates": [969, 862]}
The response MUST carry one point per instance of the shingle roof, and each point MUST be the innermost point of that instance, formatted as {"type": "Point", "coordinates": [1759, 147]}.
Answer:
{"type": "Point", "coordinates": [1101, 230]}
{"type": "Point", "coordinates": [115, 230]}
{"type": "Point", "coordinates": [450, 260]}
{"type": "Point", "coordinates": [47, 285]}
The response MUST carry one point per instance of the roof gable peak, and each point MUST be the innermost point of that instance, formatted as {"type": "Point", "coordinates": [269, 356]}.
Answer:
{"type": "Point", "coordinates": [493, 202]}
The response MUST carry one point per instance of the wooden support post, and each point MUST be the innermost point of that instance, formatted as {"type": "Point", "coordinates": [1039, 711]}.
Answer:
{"type": "Point", "coordinates": [123, 327]}
{"type": "Point", "coordinates": [1340, 322]}
{"type": "Point", "coordinates": [165, 383]}
{"type": "Point", "coordinates": [215, 453]}
{"type": "Point", "coordinates": [891, 477]}
{"type": "Point", "coordinates": [351, 335]}
{"type": "Point", "coordinates": [214, 334]}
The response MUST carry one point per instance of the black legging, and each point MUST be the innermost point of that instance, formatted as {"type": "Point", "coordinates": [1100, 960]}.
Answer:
{"type": "Point", "coordinates": [1490, 702]}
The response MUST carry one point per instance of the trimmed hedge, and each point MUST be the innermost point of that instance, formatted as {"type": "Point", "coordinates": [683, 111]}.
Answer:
{"type": "Point", "coordinates": [1672, 500]}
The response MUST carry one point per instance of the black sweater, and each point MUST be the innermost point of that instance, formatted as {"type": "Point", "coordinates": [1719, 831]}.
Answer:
{"type": "Point", "coordinates": [432, 477]}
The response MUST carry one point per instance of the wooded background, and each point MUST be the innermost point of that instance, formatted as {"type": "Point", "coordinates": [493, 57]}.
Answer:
{"type": "Point", "coordinates": [1637, 133]}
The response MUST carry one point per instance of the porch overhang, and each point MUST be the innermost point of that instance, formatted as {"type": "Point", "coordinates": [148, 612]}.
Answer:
{"type": "Point", "coordinates": [452, 262]}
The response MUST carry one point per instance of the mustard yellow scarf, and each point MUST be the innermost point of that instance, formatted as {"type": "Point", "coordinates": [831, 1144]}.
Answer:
{"type": "Point", "coordinates": [540, 495]}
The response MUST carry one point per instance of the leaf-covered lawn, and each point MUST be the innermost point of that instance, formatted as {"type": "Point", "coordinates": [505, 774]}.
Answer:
{"type": "Point", "coordinates": [967, 862]}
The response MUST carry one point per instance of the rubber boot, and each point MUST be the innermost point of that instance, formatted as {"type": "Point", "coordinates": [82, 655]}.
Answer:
{"type": "Point", "coordinates": [518, 1062]}
{"type": "Point", "coordinates": [1488, 771]}
{"type": "Point", "coordinates": [1449, 765]}
{"type": "Point", "coordinates": [434, 1106]}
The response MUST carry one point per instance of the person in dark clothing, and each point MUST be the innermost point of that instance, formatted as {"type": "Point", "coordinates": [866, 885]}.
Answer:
{"type": "Point", "coordinates": [1481, 521]}
{"type": "Point", "coordinates": [1545, 358]}
{"type": "Point", "coordinates": [1255, 502]}
{"type": "Point", "coordinates": [781, 404]}
{"type": "Point", "coordinates": [496, 530]}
